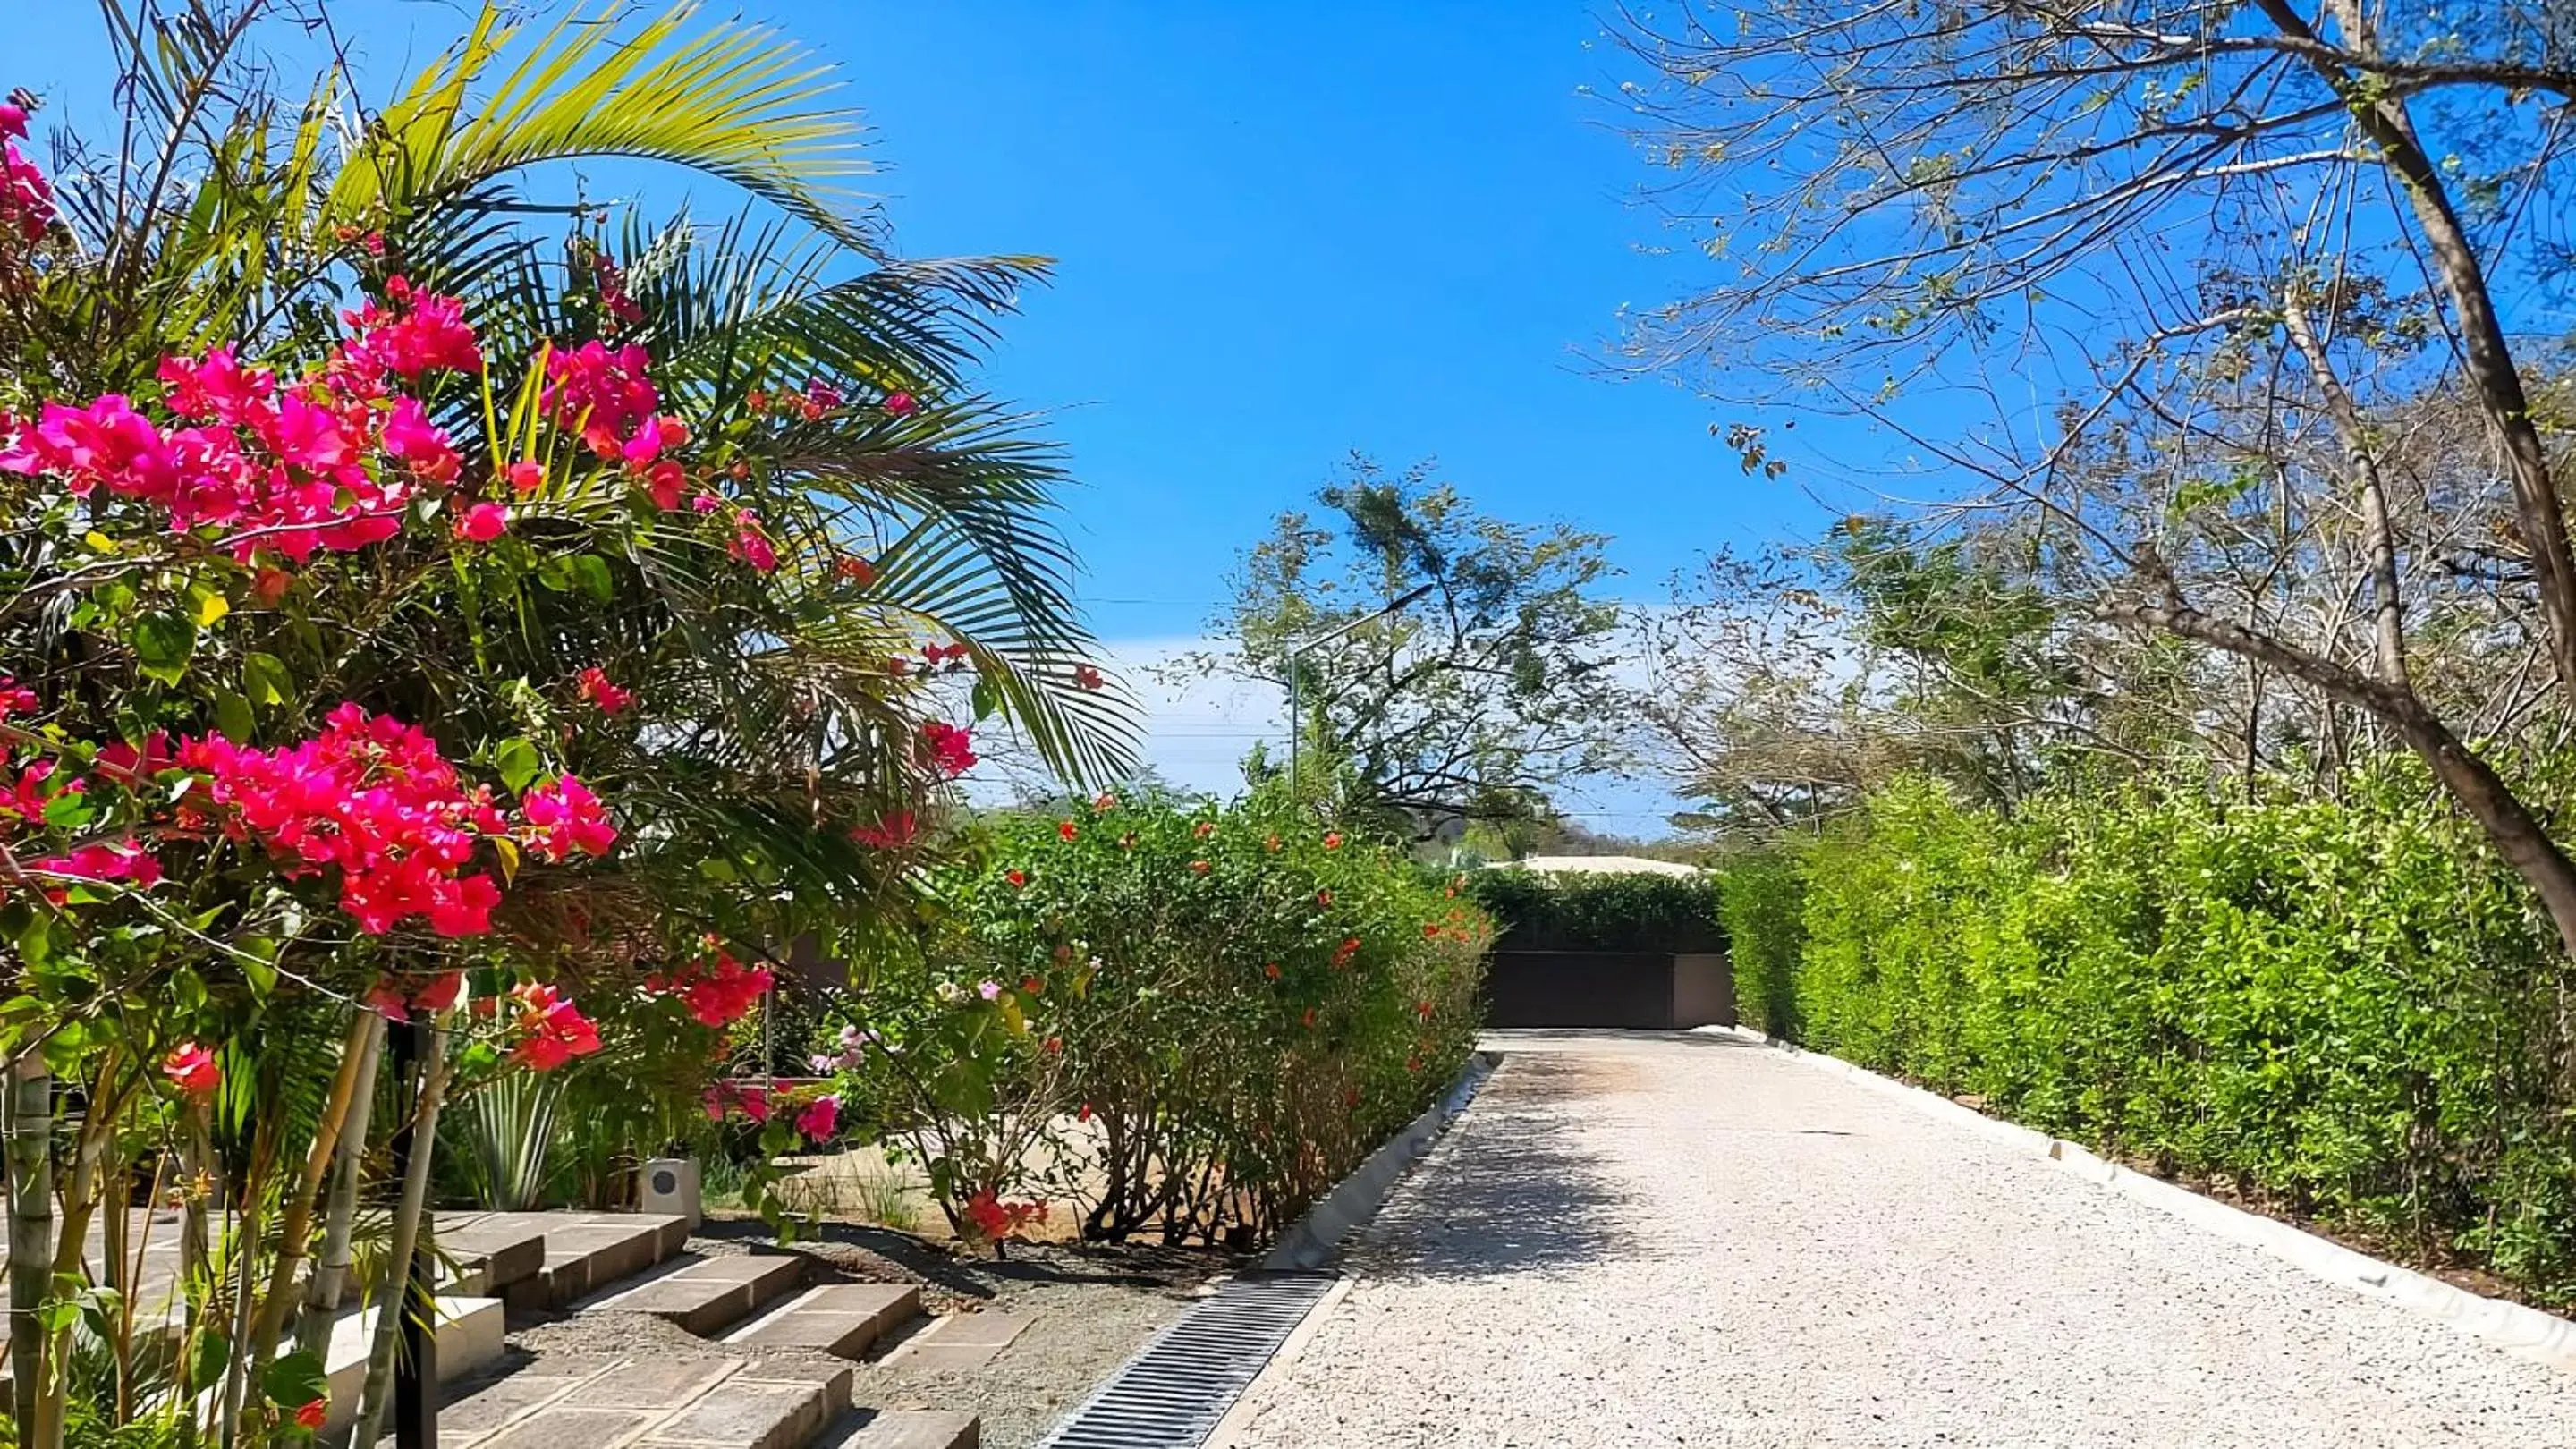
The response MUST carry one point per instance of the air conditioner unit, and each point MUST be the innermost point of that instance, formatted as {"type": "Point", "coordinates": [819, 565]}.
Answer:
{"type": "Point", "coordinates": [670, 1185]}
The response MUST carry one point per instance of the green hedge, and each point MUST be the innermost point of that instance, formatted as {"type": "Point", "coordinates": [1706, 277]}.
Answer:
{"type": "Point", "coordinates": [2346, 1008]}
{"type": "Point", "coordinates": [1600, 912]}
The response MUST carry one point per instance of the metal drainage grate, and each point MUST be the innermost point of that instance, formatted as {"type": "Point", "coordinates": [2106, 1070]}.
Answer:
{"type": "Point", "coordinates": [1171, 1395]}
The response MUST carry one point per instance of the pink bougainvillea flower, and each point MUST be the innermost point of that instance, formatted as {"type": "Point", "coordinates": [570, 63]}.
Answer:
{"type": "Point", "coordinates": [125, 861]}
{"type": "Point", "coordinates": [750, 544]}
{"type": "Point", "coordinates": [820, 1119]}
{"type": "Point", "coordinates": [1088, 676]}
{"type": "Point", "coordinates": [667, 484]}
{"type": "Point", "coordinates": [705, 503]}
{"type": "Point", "coordinates": [16, 698]}
{"type": "Point", "coordinates": [483, 522]}
{"type": "Point", "coordinates": [409, 435]}
{"type": "Point", "coordinates": [565, 816]}
{"type": "Point", "coordinates": [270, 585]}
{"type": "Point", "coordinates": [719, 992]}
{"type": "Point", "coordinates": [13, 121]}
{"type": "Point", "coordinates": [892, 831]}
{"type": "Point", "coordinates": [606, 397]}
{"type": "Point", "coordinates": [598, 689]}
{"type": "Point", "coordinates": [192, 1069]}
{"type": "Point", "coordinates": [946, 748]}
{"type": "Point", "coordinates": [554, 1029]}
{"type": "Point", "coordinates": [989, 990]}
{"type": "Point", "coordinates": [900, 403]}
{"type": "Point", "coordinates": [527, 476]}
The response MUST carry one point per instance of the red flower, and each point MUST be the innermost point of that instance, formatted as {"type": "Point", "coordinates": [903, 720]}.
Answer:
{"type": "Point", "coordinates": [1431, 933]}
{"type": "Point", "coordinates": [312, 1414]}
{"type": "Point", "coordinates": [1055, 1046]}
{"type": "Point", "coordinates": [1332, 840]}
{"type": "Point", "coordinates": [667, 483]}
{"type": "Point", "coordinates": [820, 1120]}
{"type": "Point", "coordinates": [1271, 970]}
{"type": "Point", "coordinates": [1085, 1114]}
{"type": "Point", "coordinates": [1017, 878]}
{"type": "Point", "coordinates": [1271, 844]}
{"type": "Point", "coordinates": [899, 403]}
{"type": "Point", "coordinates": [1032, 986]}
{"type": "Point", "coordinates": [1309, 1018]}
{"type": "Point", "coordinates": [527, 476]}
{"type": "Point", "coordinates": [1065, 830]}
{"type": "Point", "coordinates": [893, 831]}
{"type": "Point", "coordinates": [598, 689]}
{"type": "Point", "coordinates": [555, 1029]}
{"type": "Point", "coordinates": [1323, 898]}
{"type": "Point", "coordinates": [857, 570]}
{"type": "Point", "coordinates": [1102, 803]}
{"type": "Point", "coordinates": [947, 748]}
{"type": "Point", "coordinates": [1087, 677]}
{"type": "Point", "coordinates": [1203, 829]}
{"type": "Point", "coordinates": [1200, 866]}
{"type": "Point", "coordinates": [483, 522]}
{"type": "Point", "coordinates": [192, 1069]}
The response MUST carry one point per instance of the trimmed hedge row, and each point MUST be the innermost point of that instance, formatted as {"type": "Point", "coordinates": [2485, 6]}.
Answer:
{"type": "Point", "coordinates": [2345, 1008]}
{"type": "Point", "coordinates": [1580, 912]}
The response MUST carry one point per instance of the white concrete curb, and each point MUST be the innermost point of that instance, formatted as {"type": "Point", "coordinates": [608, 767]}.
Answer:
{"type": "Point", "coordinates": [1318, 1236]}
{"type": "Point", "coordinates": [2525, 1332]}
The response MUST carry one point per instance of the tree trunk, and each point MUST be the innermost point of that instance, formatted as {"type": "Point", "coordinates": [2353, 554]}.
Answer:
{"type": "Point", "coordinates": [394, 1301]}
{"type": "Point", "coordinates": [322, 1291]}
{"type": "Point", "coordinates": [2486, 358]}
{"type": "Point", "coordinates": [295, 1231]}
{"type": "Point", "coordinates": [30, 1129]}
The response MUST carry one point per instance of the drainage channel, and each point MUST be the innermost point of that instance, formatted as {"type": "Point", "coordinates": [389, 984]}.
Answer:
{"type": "Point", "coordinates": [1173, 1393]}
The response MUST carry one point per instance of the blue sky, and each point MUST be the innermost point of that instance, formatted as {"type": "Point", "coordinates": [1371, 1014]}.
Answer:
{"type": "Point", "coordinates": [1283, 232]}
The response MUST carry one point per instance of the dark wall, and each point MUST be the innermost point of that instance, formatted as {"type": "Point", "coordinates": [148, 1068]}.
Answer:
{"type": "Point", "coordinates": [1637, 989]}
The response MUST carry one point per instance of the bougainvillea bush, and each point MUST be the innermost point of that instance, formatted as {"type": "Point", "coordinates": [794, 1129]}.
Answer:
{"type": "Point", "coordinates": [1165, 1015]}
{"type": "Point", "coordinates": [426, 604]}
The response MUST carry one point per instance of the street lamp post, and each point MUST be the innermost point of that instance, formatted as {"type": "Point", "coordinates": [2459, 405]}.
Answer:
{"type": "Point", "coordinates": [1296, 720]}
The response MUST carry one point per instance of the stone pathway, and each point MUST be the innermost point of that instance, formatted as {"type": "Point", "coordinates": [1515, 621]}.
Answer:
{"type": "Point", "coordinates": [1683, 1240]}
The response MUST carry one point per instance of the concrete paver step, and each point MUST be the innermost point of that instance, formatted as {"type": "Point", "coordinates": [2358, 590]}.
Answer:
{"type": "Point", "coordinates": [586, 1252]}
{"type": "Point", "coordinates": [509, 1247]}
{"type": "Point", "coordinates": [837, 1318]}
{"type": "Point", "coordinates": [705, 1295]}
{"type": "Point", "coordinates": [469, 1336]}
{"type": "Point", "coordinates": [585, 1402]}
{"type": "Point", "coordinates": [902, 1429]}
{"type": "Point", "coordinates": [960, 1342]}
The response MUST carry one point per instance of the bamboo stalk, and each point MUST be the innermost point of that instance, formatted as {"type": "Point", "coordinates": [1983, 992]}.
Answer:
{"type": "Point", "coordinates": [295, 1231]}
{"type": "Point", "coordinates": [395, 1300]}
{"type": "Point", "coordinates": [30, 1129]}
{"type": "Point", "coordinates": [322, 1290]}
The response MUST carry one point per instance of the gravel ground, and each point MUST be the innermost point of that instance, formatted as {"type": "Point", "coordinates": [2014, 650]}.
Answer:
{"type": "Point", "coordinates": [1686, 1240]}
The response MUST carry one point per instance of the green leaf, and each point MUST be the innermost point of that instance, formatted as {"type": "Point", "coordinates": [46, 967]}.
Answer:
{"type": "Point", "coordinates": [590, 575]}
{"type": "Point", "coordinates": [265, 676]}
{"type": "Point", "coordinates": [518, 762]}
{"type": "Point", "coordinates": [163, 642]}
{"type": "Point", "coordinates": [207, 1359]}
{"type": "Point", "coordinates": [233, 717]}
{"type": "Point", "coordinates": [296, 1379]}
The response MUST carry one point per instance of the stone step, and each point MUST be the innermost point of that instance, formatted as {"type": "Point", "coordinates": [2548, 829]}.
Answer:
{"type": "Point", "coordinates": [586, 1252]}
{"type": "Point", "coordinates": [837, 1318]}
{"type": "Point", "coordinates": [469, 1337]}
{"type": "Point", "coordinates": [959, 1342]}
{"type": "Point", "coordinates": [559, 1402]}
{"type": "Point", "coordinates": [705, 1295]}
{"type": "Point", "coordinates": [902, 1429]}
{"type": "Point", "coordinates": [493, 1250]}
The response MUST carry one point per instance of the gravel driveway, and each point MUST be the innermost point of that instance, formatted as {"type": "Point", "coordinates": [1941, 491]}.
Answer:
{"type": "Point", "coordinates": [1657, 1240]}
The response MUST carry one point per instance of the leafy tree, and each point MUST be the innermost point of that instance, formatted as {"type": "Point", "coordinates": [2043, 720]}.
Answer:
{"type": "Point", "coordinates": [1492, 685]}
{"type": "Point", "coordinates": [2239, 243]}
